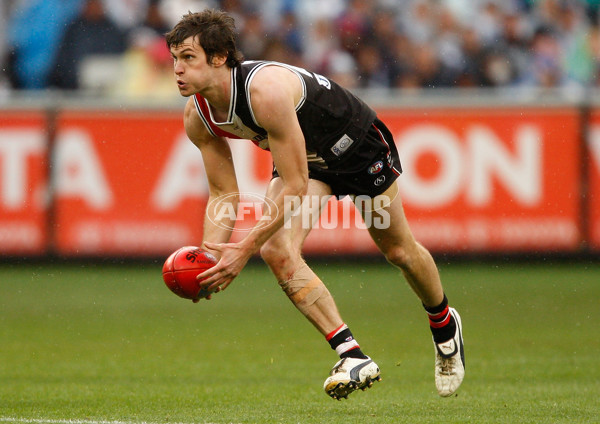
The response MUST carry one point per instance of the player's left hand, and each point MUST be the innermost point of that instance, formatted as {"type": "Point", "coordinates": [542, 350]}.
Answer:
{"type": "Point", "coordinates": [233, 258]}
{"type": "Point", "coordinates": [205, 298]}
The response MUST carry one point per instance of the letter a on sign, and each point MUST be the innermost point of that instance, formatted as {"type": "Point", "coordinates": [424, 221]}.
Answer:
{"type": "Point", "coordinates": [182, 176]}
{"type": "Point", "coordinates": [79, 172]}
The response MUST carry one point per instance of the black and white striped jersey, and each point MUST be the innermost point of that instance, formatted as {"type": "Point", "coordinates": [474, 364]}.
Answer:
{"type": "Point", "coordinates": [332, 119]}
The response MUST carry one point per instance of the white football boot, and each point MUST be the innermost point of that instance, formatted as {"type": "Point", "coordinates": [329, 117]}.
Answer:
{"type": "Point", "coordinates": [450, 361]}
{"type": "Point", "coordinates": [349, 374]}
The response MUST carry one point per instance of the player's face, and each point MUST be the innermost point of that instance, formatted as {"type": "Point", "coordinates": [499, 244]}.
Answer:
{"type": "Point", "coordinates": [192, 72]}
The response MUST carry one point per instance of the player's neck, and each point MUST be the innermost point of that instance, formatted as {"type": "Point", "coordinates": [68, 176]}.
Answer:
{"type": "Point", "coordinates": [218, 94]}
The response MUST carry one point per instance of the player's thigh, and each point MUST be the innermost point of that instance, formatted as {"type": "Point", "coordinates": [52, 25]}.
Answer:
{"type": "Point", "coordinates": [386, 221]}
{"type": "Point", "coordinates": [299, 221]}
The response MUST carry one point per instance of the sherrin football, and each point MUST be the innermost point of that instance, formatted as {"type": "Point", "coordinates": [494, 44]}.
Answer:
{"type": "Point", "coordinates": [181, 269]}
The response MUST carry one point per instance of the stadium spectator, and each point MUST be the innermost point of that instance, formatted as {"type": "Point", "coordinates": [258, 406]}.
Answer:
{"type": "Point", "coordinates": [465, 42]}
{"type": "Point", "coordinates": [290, 32]}
{"type": "Point", "coordinates": [383, 38]}
{"type": "Point", "coordinates": [239, 9]}
{"type": "Point", "coordinates": [4, 79]}
{"type": "Point", "coordinates": [147, 66]}
{"type": "Point", "coordinates": [253, 38]}
{"type": "Point", "coordinates": [372, 70]}
{"type": "Point", "coordinates": [515, 43]}
{"type": "Point", "coordinates": [355, 24]}
{"type": "Point", "coordinates": [488, 23]}
{"type": "Point", "coordinates": [594, 43]}
{"type": "Point", "coordinates": [447, 42]}
{"type": "Point", "coordinates": [309, 11]}
{"type": "Point", "coordinates": [153, 25]}
{"type": "Point", "coordinates": [573, 30]}
{"type": "Point", "coordinates": [173, 10]}
{"type": "Point", "coordinates": [471, 73]}
{"type": "Point", "coordinates": [146, 69]}
{"type": "Point", "coordinates": [426, 70]}
{"type": "Point", "coordinates": [155, 20]}
{"type": "Point", "coordinates": [36, 29]}
{"type": "Point", "coordinates": [418, 22]}
{"type": "Point", "coordinates": [90, 33]}
{"type": "Point", "coordinates": [322, 40]}
{"type": "Point", "coordinates": [545, 69]}
{"type": "Point", "coordinates": [341, 68]}
{"type": "Point", "coordinates": [497, 68]}
{"type": "Point", "coordinates": [276, 50]}
{"type": "Point", "coordinates": [324, 55]}
{"type": "Point", "coordinates": [591, 9]}
{"type": "Point", "coordinates": [127, 14]}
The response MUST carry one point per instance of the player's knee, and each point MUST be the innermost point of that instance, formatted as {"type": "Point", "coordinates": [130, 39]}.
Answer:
{"type": "Point", "coordinates": [275, 254]}
{"type": "Point", "coordinates": [399, 256]}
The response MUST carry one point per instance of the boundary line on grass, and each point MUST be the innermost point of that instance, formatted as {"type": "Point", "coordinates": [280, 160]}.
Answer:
{"type": "Point", "coordinates": [74, 421]}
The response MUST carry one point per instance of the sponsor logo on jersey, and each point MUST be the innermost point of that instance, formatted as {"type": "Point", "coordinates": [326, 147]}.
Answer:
{"type": "Point", "coordinates": [342, 145]}
{"type": "Point", "coordinates": [380, 180]}
{"type": "Point", "coordinates": [376, 168]}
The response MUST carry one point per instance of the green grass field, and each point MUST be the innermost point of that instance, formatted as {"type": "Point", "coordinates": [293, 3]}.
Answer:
{"type": "Point", "coordinates": [105, 343]}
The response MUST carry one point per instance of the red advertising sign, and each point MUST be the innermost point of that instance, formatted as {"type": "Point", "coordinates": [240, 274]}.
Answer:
{"type": "Point", "coordinates": [133, 183]}
{"type": "Point", "coordinates": [23, 196]}
{"type": "Point", "coordinates": [490, 179]}
{"type": "Point", "coordinates": [126, 183]}
{"type": "Point", "coordinates": [593, 195]}
{"type": "Point", "coordinates": [474, 180]}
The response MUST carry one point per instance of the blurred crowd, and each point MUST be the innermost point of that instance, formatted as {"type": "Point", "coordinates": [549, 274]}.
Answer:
{"type": "Point", "coordinates": [117, 46]}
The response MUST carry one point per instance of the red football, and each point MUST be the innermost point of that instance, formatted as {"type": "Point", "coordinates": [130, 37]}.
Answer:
{"type": "Point", "coordinates": [181, 269]}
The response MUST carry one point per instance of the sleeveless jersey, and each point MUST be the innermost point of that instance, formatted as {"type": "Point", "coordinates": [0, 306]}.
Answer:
{"type": "Point", "coordinates": [332, 119]}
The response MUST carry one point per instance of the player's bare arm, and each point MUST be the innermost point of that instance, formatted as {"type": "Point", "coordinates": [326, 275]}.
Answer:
{"type": "Point", "coordinates": [274, 94]}
{"type": "Point", "coordinates": [220, 174]}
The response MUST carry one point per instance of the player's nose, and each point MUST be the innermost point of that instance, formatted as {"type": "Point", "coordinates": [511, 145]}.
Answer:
{"type": "Point", "coordinates": [178, 68]}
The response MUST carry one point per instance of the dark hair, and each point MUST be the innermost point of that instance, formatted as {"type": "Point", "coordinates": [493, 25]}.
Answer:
{"type": "Point", "coordinates": [213, 29]}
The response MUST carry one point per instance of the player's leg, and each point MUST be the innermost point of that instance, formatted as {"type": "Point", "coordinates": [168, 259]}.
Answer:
{"type": "Point", "coordinates": [395, 240]}
{"type": "Point", "coordinates": [390, 231]}
{"type": "Point", "coordinates": [283, 254]}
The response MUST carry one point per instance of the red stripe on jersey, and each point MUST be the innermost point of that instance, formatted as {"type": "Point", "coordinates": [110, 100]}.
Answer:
{"type": "Point", "coordinates": [201, 102]}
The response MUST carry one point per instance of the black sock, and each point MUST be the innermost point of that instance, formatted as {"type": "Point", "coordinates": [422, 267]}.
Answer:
{"type": "Point", "coordinates": [342, 341]}
{"type": "Point", "coordinates": [441, 322]}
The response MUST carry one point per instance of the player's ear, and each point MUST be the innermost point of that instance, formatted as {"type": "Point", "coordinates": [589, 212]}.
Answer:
{"type": "Point", "coordinates": [218, 60]}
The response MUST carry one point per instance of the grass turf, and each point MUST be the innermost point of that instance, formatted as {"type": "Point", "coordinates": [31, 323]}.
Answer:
{"type": "Point", "coordinates": [106, 343]}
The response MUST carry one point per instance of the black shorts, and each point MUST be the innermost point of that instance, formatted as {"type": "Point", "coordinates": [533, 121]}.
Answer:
{"type": "Point", "coordinates": [368, 170]}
